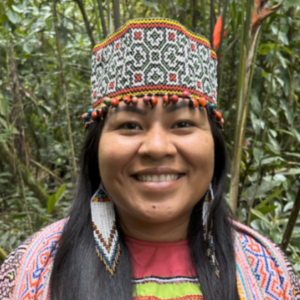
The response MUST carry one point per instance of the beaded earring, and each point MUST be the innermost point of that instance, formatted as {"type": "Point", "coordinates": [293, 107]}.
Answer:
{"type": "Point", "coordinates": [105, 231]}
{"type": "Point", "coordinates": [208, 232]}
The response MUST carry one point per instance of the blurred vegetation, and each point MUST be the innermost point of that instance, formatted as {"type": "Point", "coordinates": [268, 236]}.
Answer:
{"type": "Point", "coordinates": [45, 51]}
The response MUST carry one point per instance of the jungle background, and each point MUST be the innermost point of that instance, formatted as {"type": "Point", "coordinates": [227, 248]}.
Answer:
{"type": "Point", "coordinates": [45, 52]}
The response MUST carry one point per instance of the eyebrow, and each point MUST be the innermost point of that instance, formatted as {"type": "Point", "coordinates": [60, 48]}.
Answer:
{"type": "Point", "coordinates": [133, 109]}
{"type": "Point", "coordinates": [177, 106]}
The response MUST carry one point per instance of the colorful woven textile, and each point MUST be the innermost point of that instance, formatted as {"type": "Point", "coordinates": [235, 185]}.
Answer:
{"type": "Point", "coordinates": [153, 56]}
{"type": "Point", "coordinates": [263, 273]}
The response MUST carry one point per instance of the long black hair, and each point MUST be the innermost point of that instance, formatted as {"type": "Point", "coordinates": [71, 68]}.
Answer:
{"type": "Point", "coordinates": [79, 274]}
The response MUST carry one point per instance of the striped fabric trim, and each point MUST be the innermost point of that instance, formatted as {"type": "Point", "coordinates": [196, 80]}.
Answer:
{"type": "Point", "coordinates": [139, 23]}
{"type": "Point", "coordinates": [160, 280]}
{"type": "Point", "coordinates": [167, 288]}
{"type": "Point", "coordinates": [188, 297]}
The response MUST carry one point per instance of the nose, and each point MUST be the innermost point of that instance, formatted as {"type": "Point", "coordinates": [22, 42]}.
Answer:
{"type": "Point", "coordinates": [157, 143]}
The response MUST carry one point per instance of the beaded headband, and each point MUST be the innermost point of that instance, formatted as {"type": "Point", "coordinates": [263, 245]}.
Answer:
{"type": "Point", "coordinates": [153, 57]}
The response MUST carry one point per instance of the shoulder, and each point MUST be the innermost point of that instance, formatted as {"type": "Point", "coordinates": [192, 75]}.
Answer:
{"type": "Point", "coordinates": [21, 271]}
{"type": "Point", "coordinates": [262, 262]}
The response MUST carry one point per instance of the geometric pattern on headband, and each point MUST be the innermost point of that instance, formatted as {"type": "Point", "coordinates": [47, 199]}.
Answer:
{"type": "Point", "coordinates": [153, 56]}
{"type": "Point", "coordinates": [105, 231]}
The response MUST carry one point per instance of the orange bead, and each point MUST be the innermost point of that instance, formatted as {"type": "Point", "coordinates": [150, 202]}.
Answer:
{"type": "Point", "coordinates": [126, 99]}
{"type": "Point", "coordinates": [101, 112]}
{"type": "Point", "coordinates": [218, 114]}
{"type": "Point", "coordinates": [146, 99]}
{"type": "Point", "coordinates": [195, 102]}
{"type": "Point", "coordinates": [202, 101]}
{"type": "Point", "coordinates": [83, 116]}
{"type": "Point", "coordinates": [135, 100]}
{"type": "Point", "coordinates": [166, 99]}
{"type": "Point", "coordinates": [94, 115]}
{"type": "Point", "coordinates": [115, 102]}
{"type": "Point", "coordinates": [174, 98]}
{"type": "Point", "coordinates": [154, 100]}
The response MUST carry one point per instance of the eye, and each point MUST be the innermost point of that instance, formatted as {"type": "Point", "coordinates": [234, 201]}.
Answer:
{"type": "Point", "coordinates": [130, 126]}
{"type": "Point", "coordinates": [183, 124]}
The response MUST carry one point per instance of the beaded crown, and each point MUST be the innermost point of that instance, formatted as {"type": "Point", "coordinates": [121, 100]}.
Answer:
{"type": "Point", "coordinates": [153, 57]}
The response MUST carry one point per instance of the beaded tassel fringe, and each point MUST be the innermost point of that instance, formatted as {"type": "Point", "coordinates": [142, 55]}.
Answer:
{"type": "Point", "coordinates": [208, 232]}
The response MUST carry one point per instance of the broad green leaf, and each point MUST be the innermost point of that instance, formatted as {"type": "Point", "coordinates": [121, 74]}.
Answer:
{"type": "Point", "coordinates": [287, 111]}
{"type": "Point", "coordinates": [54, 198]}
{"type": "Point", "coordinates": [20, 215]}
{"type": "Point", "coordinates": [259, 215]}
{"type": "Point", "coordinates": [258, 154]}
{"type": "Point", "coordinates": [150, 4]}
{"type": "Point", "coordinates": [265, 202]}
{"type": "Point", "coordinates": [13, 17]}
{"type": "Point", "coordinates": [288, 3]}
{"type": "Point", "coordinates": [264, 210]}
{"type": "Point", "coordinates": [297, 134]}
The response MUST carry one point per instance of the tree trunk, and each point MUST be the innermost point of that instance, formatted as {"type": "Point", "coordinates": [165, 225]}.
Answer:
{"type": "Point", "coordinates": [10, 158]}
{"type": "Point", "coordinates": [108, 17]}
{"type": "Point", "coordinates": [193, 6]}
{"type": "Point", "coordinates": [183, 13]}
{"type": "Point", "coordinates": [117, 18]}
{"type": "Point", "coordinates": [63, 82]}
{"type": "Point", "coordinates": [101, 13]}
{"type": "Point", "coordinates": [86, 21]}
{"type": "Point", "coordinates": [17, 113]}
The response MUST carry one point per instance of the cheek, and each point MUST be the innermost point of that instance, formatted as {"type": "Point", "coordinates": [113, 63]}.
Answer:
{"type": "Point", "coordinates": [115, 153]}
{"type": "Point", "coordinates": [198, 152]}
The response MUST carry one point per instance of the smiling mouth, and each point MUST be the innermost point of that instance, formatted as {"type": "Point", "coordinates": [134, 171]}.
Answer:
{"type": "Point", "coordinates": [158, 178]}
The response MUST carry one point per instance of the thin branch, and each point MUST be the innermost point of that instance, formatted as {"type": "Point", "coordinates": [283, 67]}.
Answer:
{"type": "Point", "coordinates": [23, 195]}
{"type": "Point", "coordinates": [291, 223]}
{"type": "Point", "coordinates": [85, 19]}
{"type": "Point", "coordinates": [9, 157]}
{"type": "Point", "coordinates": [60, 180]}
{"type": "Point", "coordinates": [3, 255]}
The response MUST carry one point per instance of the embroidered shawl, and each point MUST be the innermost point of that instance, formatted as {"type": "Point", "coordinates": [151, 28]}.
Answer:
{"type": "Point", "coordinates": [263, 272]}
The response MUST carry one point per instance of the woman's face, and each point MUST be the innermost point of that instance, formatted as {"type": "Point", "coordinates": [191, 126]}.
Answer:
{"type": "Point", "coordinates": [156, 164]}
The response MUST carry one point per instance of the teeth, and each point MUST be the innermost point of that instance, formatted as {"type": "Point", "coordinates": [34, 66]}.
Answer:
{"type": "Point", "coordinates": [158, 178]}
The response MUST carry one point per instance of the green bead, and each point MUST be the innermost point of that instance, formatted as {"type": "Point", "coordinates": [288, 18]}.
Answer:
{"type": "Point", "coordinates": [211, 105]}
{"type": "Point", "coordinates": [90, 111]}
{"type": "Point", "coordinates": [103, 106]}
{"type": "Point", "coordinates": [107, 101]}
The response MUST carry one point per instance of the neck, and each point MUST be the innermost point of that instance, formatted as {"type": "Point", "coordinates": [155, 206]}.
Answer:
{"type": "Point", "coordinates": [173, 231]}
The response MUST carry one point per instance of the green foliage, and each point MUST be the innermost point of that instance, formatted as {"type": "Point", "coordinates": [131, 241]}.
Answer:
{"type": "Point", "coordinates": [270, 165]}
{"type": "Point", "coordinates": [54, 198]}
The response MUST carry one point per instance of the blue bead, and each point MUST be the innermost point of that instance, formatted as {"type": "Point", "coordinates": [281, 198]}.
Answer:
{"type": "Point", "coordinates": [90, 110]}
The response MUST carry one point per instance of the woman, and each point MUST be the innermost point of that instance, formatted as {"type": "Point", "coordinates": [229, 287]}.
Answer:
{"type": "Point", "coordinates": [149, 220]}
